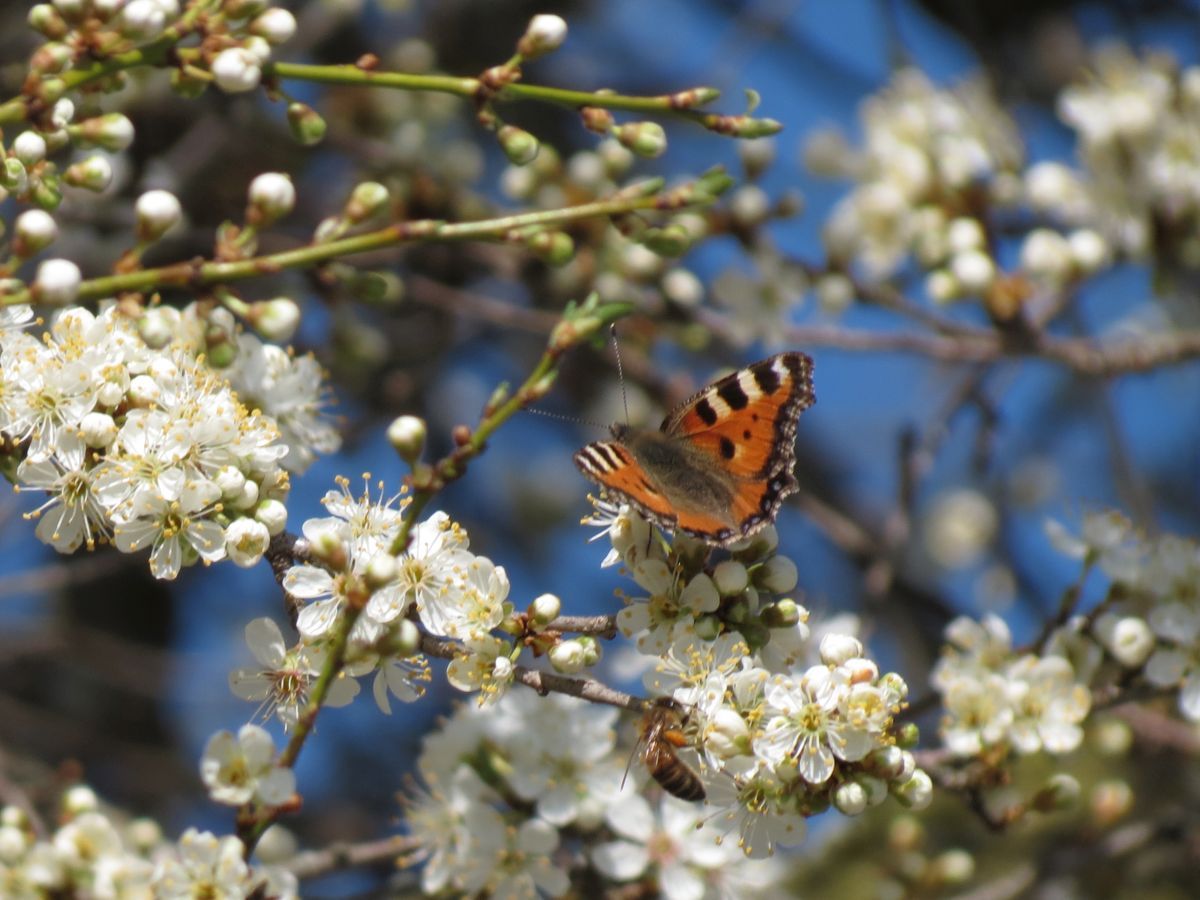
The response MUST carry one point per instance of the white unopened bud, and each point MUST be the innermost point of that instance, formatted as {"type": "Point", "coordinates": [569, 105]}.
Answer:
{"type": "Point", "coordinates": [259, 48]}
{"type": "Point", "coordinates": [1089, 250]}
{"type": "Point", "coordinates": [35, 230]}
{"type": "Point", "coordinates": [231, 480]}
{"type": "Point", "coordinates": [143, 391]}
{"type": "Point", "coordinates": [29, 147]}
{"type": "Point", "coordinates": [236, 70]}
{"type": "Point", "coordinates": [965, 233]}
{"type": "Point", "coordinates": [97, 430]}
{"type": "Point", "coordinates": [544, 33]}
{"type": "Point", "coordinates": [93, 174]}
{"type": "Point", "coordinates": [113, 131]}
{"type": "Point", "coordinates": [568, 657]}
{"type": "Point", "coordinates": [1128, 638]}
{"type": "Point", "coordinates": [835, 292]}
{"type": "Point", "coordinates": [942, 287]}
{"type": "Point", "coordinates": [917, 792]}
{"type": "Point", "coordinates": [157, 326]}
{"type": "Point", "coordinates": [839, 648]}
{"type": "Point", "coordinates": [366, 200]}
{"type": "Point", "coordinates": [683, 287]}
{"type": "Point", "coordinates": [730, 577]}
{"type": "Point", "coordinates": [246, 541]}
{"type": "Point", "coordinates": [273, 514]}
{"type": "Point", "coordinates": [62, 113]}
{"type": "Point", "coordinates": [749, 205]}
{"type": "Point", "coordinates": [1047, 255]}
{"type": "Point", "coordinates": [974, 271]}
{"type": "Point", "coordinates": [57, 282]}
{"type": "Point", "coordinates": [727, 735]}
{"type": "Point", "coordinates": [80, 799]}
{"type": "Point", "coordinates": [544, 609]}
{"type": "Point", "coordinates": [157, 212]}
{"type": "Point", "coordinates": [777, 575]}
{"type": "Point", "coordinates": [276, 25]}
{"type": "Point", "coordinates": [406, 434]}
{"type": "Point", "coordinates": [247, 498]}
{"type": "Point", "coordinates": [381, 569]}
{"type": "Point", "coordinates": [277, 319]}
{"type": "Point", "coordinates": [272, 195]}
{"type": "Point", "coordinates": [850, 798]}
{"type": "Point", "coordinates": [143, 20]}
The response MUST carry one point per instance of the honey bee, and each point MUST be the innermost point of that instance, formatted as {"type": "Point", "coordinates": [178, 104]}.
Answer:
{"type": "Point", "coordinates": [661, 737]}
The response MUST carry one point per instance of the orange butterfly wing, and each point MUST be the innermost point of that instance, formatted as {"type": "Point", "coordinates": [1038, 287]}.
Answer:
{"type": "Point", "coordinates": [747, 420]}
{"type": "Point", "coordinates": [741, 429]}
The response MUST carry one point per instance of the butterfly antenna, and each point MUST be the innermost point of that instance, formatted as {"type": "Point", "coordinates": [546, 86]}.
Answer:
{"type": "Point", "coordinates": [573, 419]}
{"type": "Point", "coordinates": [612, 330]}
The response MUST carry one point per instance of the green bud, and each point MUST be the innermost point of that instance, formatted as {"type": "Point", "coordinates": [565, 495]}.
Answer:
{"type": "Point", "coordinates": [671, 241]}
{"type": "Point", "coordinates": [592, 651]}
{"type": "Point", "coordinates": [46, 193]}
{"type": "Point", "coordinates": [908, 736]}
{"type": "Point", "coordinates": [306, 124]}
{"type": "Point", "coordinates": [646, 139]}
{"type": "Point", "coordinates": [377, 288]}
{"type": "Point", "coordinates": [553, 247]}
{"type": "Point", "coordinates": [368, 199]}
{"type": "Point", "coordinates": [518, 145]}
{"type": "Point", "coordinates": [406, 434]}
{"type": "Point", "coordinates": [46, 20]}
{"type": "Point", "coordinates": [783, 614]}
{"type": "Point", "coordinates": [187, 86]}
{"type": "Point", "coordinates": [14, 177]}
{"type": "Point", "coordinates": [708, 628]}
{"type": "Point", "coordinates": [1061, 791]}
{"type": "Point", "coordinates": [93, 174]}
{"type": "Point", "coordinates": [755, 635]}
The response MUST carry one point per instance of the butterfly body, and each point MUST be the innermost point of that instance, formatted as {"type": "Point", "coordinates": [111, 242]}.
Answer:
{"type": "Point", "coordinates": [721, 463]}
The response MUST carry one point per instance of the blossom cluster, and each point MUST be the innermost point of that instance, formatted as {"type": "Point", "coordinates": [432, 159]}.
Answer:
{"type": "Point", "coordinates": [94, 854]}
{"type": "Point", "coordinates": [993, 696]}
{"type": "Point", "coordinates": [1148, 622]}
{"type": "Point", "coordinates": [148, 446]}
{"type": "Point", "coordinates": [524, 794]}
{"type": "Point", "coordinates": [436, 581]}
{"type": "Point", "coordinates": [784, 723]}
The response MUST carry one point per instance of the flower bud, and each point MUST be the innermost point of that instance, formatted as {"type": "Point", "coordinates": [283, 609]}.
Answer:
{"type": "Point", "coordinates": [954, 866]}
{"type": "Point", "coordinates": [381, 569]}
{"type": "Point", "coordinates": [727, 735]}
{"type": "Point", "coordinates": [850, 798]}
{"type": "Point", "coordinates": [271, 196]}
{"type": "Point", "coordinates": [646, 139]}
{"type": "Point", "coordinates": [14, 178]}
{"type": "Point", "coordinates": [273, 514]}
{"type": "Point", "coordinates": [730, 577]}
{"type": "Point", "coordinates": [246, 541]}
{"type": "Point", "coordinates": [306, 124]}
{"type": "Point", "coordinates": [47, 21]}
{"type": "Point", "coordinates": [554, 247]}
{"type": "Point", "coordinates": [57, 282]}
{"type": "Point", "coordinates": [236, 70]}
{"type": "Point", "coordinates": [34, 230]}
{"type": "Point", "coordinates": [275, 320]}
{"type": "Point", "coordinates": [544, 609]}
{"type": "Point", "coordinates": [369, 198]}
{"type": "Point", "coordinates": [231, 480]}
{"type": "Point", "coordinates": [143, 20]}
{"type": "Point", "coordinates": [29, 147]}
{"type": "Point", "coordinates": [568, 657]}
{"type": "Point", "coordinates": [518, 145]}
{"type": "Point", "coordinates": [782, 614]}
{"type": "Point", "coordinates": [670, 241]}
{"type": "Point", "coordinates": [80, 799]}
{"type": "Point", "coordinates": [917, 792]}
{"type": "Point", "coordinates": [245, 499]}
{"type": "Point", "coordinates": [592, 651]}
{"type": "Point", "coordinates": [544, 34]}
{"type": "Point", "coordinates": [749, 205]}
{"type": "Point", "coordinates": [1061, 791]}
{"type": "Point", "coordinates": [157, 213]}
{"type": "Point", "coordinates": [840, 648]}
{"type": "Point", "coordinates": [276, 25]}
{"type": "Point", "coordinates": [97, 430]}
{"type": "Point", "coordinates": [406, 434]}
{"type": "Point", "coordinates": [112, 132]}
{"type": "Point", "coordinates": [777, 575]}
{"type": "Point", "coordinates": [93, 174]}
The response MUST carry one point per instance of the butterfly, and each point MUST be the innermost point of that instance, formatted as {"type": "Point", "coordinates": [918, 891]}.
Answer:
{"type": "Point", "coordinates": [721, 463]}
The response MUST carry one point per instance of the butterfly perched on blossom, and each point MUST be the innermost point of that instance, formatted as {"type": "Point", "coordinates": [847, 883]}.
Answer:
{"type": "Point", "coordinates": [721, 463]}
